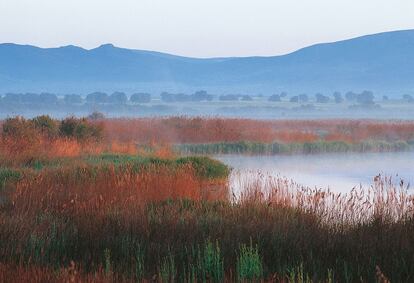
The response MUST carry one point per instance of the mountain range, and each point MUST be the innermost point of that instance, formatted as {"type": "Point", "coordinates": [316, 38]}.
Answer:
{"type": "Point", "coordinates": [381, 62]}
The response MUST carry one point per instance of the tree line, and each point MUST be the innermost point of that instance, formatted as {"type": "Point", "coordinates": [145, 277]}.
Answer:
{"type": "Point", "coordinates": [92, 98]}
{"type": "Point", "coordinates": [364, 98]}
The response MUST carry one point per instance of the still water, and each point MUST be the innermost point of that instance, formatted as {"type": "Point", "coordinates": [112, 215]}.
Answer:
{"type": "Point", "coordinates": [338, 172]}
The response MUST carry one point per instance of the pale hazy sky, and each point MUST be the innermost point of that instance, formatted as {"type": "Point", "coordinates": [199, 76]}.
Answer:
{"type": "Point", "coordinates": [200, 28]}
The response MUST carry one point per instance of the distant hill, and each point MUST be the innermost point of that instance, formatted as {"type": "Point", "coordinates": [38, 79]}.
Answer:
{"type": "Point", "coordinates": [381, 62]}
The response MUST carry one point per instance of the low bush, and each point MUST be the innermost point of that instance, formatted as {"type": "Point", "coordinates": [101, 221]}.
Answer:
{"type": "Point", "coordinates": [206, 167]}
{"type": "Point", "coordinates": [78, 128]}
{"type": "Point", "coordinates": [26, 141]}
{"type": "Point", "coordinates": [81, 129]}
{"type": "Point", "coordinates": [46, 125]}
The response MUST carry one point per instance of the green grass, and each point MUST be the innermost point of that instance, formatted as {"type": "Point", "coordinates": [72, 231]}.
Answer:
{"type": "Point", "coordinates": [205, 167]}
{"type": "Point", "coordinates": [275, 148]}
{"type": "Point", "coordinates": [8, 175]}
{"type": "Point", "coordinates": [249, 263]}
{"type": "Point", "coordinates": [185, 241]}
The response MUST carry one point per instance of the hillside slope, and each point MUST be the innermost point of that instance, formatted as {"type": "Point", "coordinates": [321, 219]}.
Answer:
{"type": "Point", "coordinates": [381, 62]}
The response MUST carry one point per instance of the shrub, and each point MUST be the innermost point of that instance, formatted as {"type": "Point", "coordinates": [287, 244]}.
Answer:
{"type": "Point", "coordinates": [18, 127]}
{"type": "Point", "coordinates": [206, 167]}
{"type": "Point", "coordinates": [20, 139]}
{"type": "Point", "coordinates": [46, 125]}
{"type": "Point", "coordinates": [80, 129]}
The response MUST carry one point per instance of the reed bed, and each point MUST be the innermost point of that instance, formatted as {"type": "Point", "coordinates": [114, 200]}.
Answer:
{"type": "Point", "coordinates": [112, 226]}
{"type": "Point", "coordinates": [384, 198]}
{"type": "Point", "coordinates": [275, 148]}
{"type": "Point", "coordinates": [41, 138]}
{"type": "Point", "coordinates": [186, 130]}
{"type": "Point", "coordinates": [74, 215]}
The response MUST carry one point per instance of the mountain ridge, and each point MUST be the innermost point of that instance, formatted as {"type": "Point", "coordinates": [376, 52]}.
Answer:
{"type": "Point", "coordinates": [382, 62]}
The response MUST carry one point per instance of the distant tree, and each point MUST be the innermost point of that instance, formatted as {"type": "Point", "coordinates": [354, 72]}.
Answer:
{"type": "Point", "coordinates": [246, 98]}
{"type": "Point", "coordinates": [350, 96]}
{"type": "Point", "coordinates": [283, 94]}
{"type": "Point", "coordinates": [167, 97]}
{"type": "Point", "coordinates": [303, 98]}
{"type": "Point", "coordinates": [338, 97]}
{"type": "Point", "coordinates": [97, 97]}
{"type": "Point", "coordinates": [307, 107]}
{"type": "Point", "coordinates": [118, 98]}
{"type": "Point", "coordinates": [201, 95]}
{"type": "Point", "coordinates": [48, 98]}
{"type": "Point", "coordinates": [30, 98]}
{"type": "Point", "coordinates": [140, 98]}
{"type": "Point", "coordinates": [320, 98]}
{"type": "Point", "coordinates": [365, 98]}
{"type": "Point", "coordinates": [294, 99]}
{"type": "Point", "coordinates": [229, 97]}
{"type": "Point", "coordinates": [181, 97]}
{"type": "Point", "coordinates": [408, 98]}
{"type": "Point", "coordinates": [73, 99]}
{"type": "Point", "coordinates": [13, 98]}
{"type": "Point", "coordinates": [96, 116]}
{"type": "Point", "coordinates": [274, 98]}
{"type": "Point", "coordinates": [385, 98]}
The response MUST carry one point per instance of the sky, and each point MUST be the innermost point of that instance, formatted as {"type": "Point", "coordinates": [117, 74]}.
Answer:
{"type": "Point", "coordinates": [199, 28]}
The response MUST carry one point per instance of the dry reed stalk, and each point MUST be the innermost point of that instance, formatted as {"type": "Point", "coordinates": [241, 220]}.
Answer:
{"type": "Point", "coordinates": [69, 189]}
{"type": "Point", "coordinates": [382, 199]}
{"type": "Point", "coordinates": [35, 274]}
{"type": "Point", "coordinates": [209, 130]}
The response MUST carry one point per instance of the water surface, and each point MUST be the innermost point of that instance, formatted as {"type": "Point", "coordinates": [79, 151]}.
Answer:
{"type": "Point", "coordinates": [338, 172]}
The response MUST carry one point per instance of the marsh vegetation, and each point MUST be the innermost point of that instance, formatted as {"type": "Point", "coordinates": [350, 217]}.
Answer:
{"type": "Point", "coordinates": [120, 207]}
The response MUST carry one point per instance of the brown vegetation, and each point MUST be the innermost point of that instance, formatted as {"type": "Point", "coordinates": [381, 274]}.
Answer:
{"type": "Point", "coordinates": [209, 130]}
{"type": "Point", "coordinates": [23, 141]}
{"type": "Point", "coordinates": [118, 218]}
{"type": "Point", "coordinates": [110, 226]}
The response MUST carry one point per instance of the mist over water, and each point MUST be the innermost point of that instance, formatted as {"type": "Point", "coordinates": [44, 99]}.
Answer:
{"type": "Point", "coordinates": [337, 172]}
